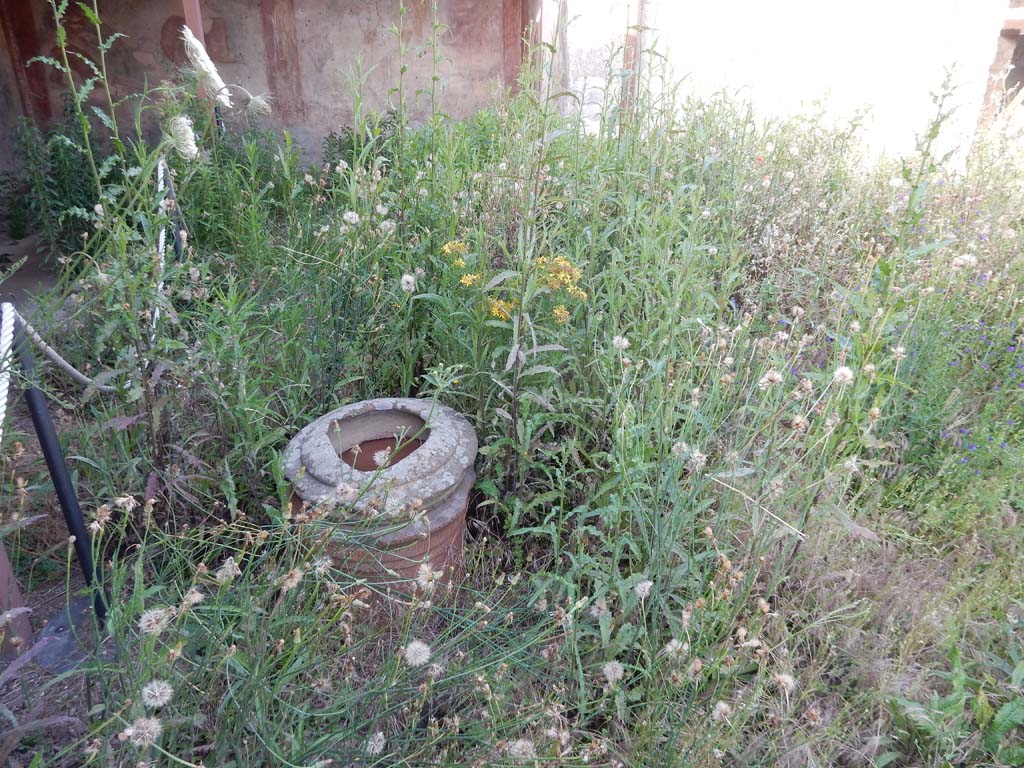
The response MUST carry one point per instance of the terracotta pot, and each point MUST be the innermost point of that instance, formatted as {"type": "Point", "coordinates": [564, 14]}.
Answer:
{"type": "Point", "coordinates": [392, 477]}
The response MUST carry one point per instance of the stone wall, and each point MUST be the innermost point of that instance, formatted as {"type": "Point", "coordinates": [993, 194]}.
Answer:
{"type": "Point", "coordinates": [1006, 74]}
{"type": "Point", "coordinates": [304, 53]}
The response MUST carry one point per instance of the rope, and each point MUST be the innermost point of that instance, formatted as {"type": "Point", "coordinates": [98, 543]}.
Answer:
{"type": "Point", "coordinates": [8, 316]}
{"type": "Point", "coordinates": [161, 168]}
{"type": "Point", "coordinates": [6, 359]}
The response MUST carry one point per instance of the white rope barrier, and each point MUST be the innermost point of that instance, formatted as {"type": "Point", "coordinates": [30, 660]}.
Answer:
{"type": "Point", "coordinates": [6, 358]}
{"type": "Point", "coordinates": [8, 316]}
{"type": "Point", "coordinates": [161, 248]}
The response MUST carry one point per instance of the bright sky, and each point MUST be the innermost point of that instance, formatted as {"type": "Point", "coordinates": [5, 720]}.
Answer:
{"type": "Point", "coordinates": [883, 54]}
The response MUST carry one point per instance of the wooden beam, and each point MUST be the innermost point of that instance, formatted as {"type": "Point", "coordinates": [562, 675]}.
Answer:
{"type": "Point", "coordinates": [511, 42]}
{"type": "Point", "coordinates": [194, 19]}
{"type": "Point", "coordinates": [18, 633]}
{"type": "Point", "coordinates": [280, 39]}
{"type": "Point", "coordinates": [18, 24]}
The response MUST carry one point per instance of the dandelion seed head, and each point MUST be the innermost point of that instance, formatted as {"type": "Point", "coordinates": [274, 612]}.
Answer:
{"type": "Point", "coordinates": [675, 649]}
{"type": "Point", "coordinates": [375, 744]}
{"type": "Point", "coordinates": [965, 261]}
{"type": "Point", "coordinates": [620, 343]}
{"type": "Point", "coordinates": [157, 693]}
{"type": "Point", "coordinates": [523, 749]}
{"type": "Point", "coordinates": [697, 461]}
{"type": "Point", "coordinates": [427, 577]}
{"type": "Point", "coordinates": [144, 731]}
{"type": "Point", "coordinates": [416, 653]}
{"type": "Point", "coordinates": [350, 217]}
{"type": "Point", "coordinates": [785, 683]}
{"type": "Point", "coordinates": [643, 588]}
{"type": "Point", "coordinates": [843, 376]}
{"type": "Point", "coordinates": [292, 579]}
{"type": "Point", "coordinates": [408, 283]}
{"type": "Point", "coordinates": [227, 571]}
{"type": "Point", "coordinates": [126, 503]}
{"type": "Point", "coordinates": [721, 711]}
{"type": "Point", "coordinates": [613, 672]}
{"type": "Point", "coordinates": [154, 621]}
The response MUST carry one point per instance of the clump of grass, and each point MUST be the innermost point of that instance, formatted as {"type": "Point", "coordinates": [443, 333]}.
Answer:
{"type": "Point", "coordinates": [715, 367]}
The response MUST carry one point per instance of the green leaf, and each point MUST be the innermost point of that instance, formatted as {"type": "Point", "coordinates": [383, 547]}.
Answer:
{"type": "Point", "coordinates": [886, 758]}
{"type": "Point", "coordinates": [1009, 716]}
{"type": "Point", "coordinates": [105, 45]}
{"type": "Point", "coordinates": [604, 621]}
{"type": "Point", "coordinates": [539, 369]}
{"type": "Point", "coordinates": [47, 60]}
{"type": "Point", "coordinates": [499, 278]}
{"type": "Point", "coordinates": [1017, 678]}
{"type": "Point", "coordinates": [924, 250]}
{"type": "Point", "coordinates": [1012, 756]}
{"type": "Point", "coordinates": [89, 14]}
{"type": "Point", "coordinates": [103, 117]}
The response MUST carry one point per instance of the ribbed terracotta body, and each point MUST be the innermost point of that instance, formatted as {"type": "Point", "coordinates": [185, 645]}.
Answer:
{"type": "Point", "coordinates": [398, 472]}
{"type": "Point", "coordinates": [394, 558]}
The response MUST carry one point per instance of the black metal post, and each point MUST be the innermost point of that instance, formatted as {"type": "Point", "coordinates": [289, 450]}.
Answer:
{"type": "Point", "coordinates": [58, 467]}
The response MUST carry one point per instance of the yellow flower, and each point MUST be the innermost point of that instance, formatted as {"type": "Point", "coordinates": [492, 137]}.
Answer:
{"type": "Point", "coordinates": [500, 309]}
{"type": "Point", "coordinates": [459, 262]}
{"type": "Point", "coordinates": [560, 313]}
{"type": "Point", "coordinates": [558, 272]}
{"type": "Point", "coordinates": [577, 293]}
{"type": "Point", "coordinates": [455, 248]}
{"type": "Point", "coordinates": [469, 279]}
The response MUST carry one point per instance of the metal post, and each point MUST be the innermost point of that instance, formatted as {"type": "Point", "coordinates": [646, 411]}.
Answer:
{"type": "Point", "coordinates": [58, 467]}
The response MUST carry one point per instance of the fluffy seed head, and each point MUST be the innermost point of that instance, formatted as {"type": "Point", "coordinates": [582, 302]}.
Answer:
{"type": "Point", "coordinates": [843, 376]}
{"type": "Point", "coordinates": [643, 588]}
{"type": "Point", "coordinates": [785, 683]}
{"type": "Point", "coordinates": [184, 137]}
{"type": "Point", "coordinates": [613, 672]}
{"type": "Point", "coordinates": [228, 570]}
{"type": "Point", "coordinates": [155, 620]}
{"type": "Point", "coordinates": [375, 744]}
{"type": "Point", "coordinates": [417, 653]}
{"type": "Point", "coordinates": [292, 579]}
{"type": "Point", "coordinates": [427, 577]}
{"type": "Point", "coordinates": [157, 693]}
{"type": "Point", "coordinates": [144, 731]}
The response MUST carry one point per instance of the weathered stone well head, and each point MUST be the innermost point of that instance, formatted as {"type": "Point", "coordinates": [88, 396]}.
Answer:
{"type": "Point", "coordinates": [394, 475]}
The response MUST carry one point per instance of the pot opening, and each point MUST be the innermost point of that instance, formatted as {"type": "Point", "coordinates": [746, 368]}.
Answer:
{"type": "Point", "coordinates": [377, 440]}
{"type": "Point", "coordinates": [364, 456]}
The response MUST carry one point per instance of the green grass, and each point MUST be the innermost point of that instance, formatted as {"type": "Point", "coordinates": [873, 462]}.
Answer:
{"type": "Point", "coordinates": [650, 328]}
